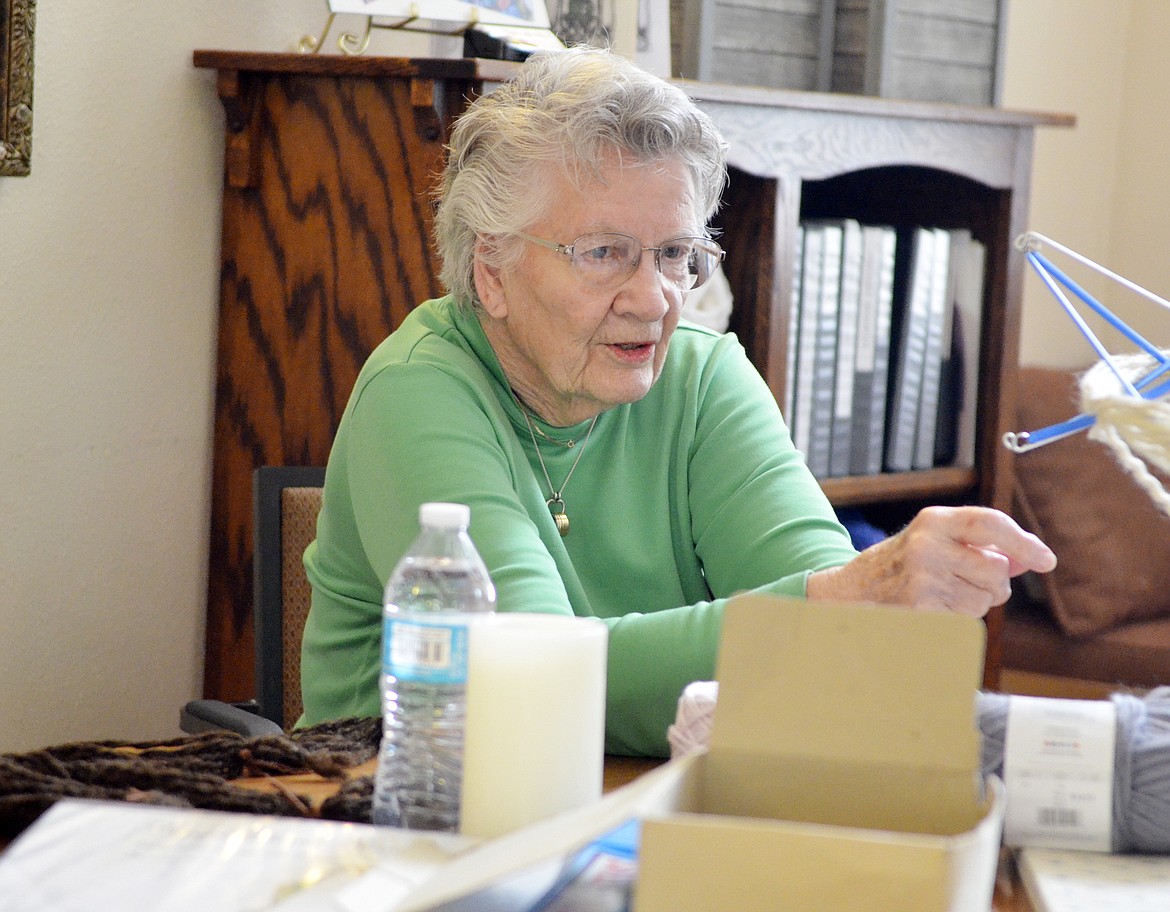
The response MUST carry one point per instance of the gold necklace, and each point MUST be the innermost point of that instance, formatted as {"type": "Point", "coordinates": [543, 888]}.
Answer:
{"type": "Point", "coordinates": [556, 501]}
{"type": "Point", "coordinates": [567, 444]}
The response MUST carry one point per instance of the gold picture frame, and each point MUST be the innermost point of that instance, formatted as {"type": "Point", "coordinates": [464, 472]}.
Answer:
{"type": "Point", "coordinates": [16, 86]}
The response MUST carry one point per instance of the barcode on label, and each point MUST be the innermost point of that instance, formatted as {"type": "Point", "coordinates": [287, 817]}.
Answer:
{"type": "Point", "coordinates": [1058, 817]}
{"type": "Point", "coordinates": [421, 647]}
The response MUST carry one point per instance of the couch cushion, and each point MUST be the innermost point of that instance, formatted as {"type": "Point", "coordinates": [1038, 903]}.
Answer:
{"type": "Point", "coordinates": [1130, 656]}
{"type": "Point", "coordinates": [1112, 543]}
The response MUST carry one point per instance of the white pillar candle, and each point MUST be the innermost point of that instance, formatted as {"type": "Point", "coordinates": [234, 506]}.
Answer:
{"type": "Point", "coordinates": [534, 742]}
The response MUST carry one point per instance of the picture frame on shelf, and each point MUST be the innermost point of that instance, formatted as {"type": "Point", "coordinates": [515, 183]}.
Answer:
{"type": "Point", "coordinates": [653, 37]}
{"type": "Point", "coordinates": [523, 13]}
{"type": "Point", "coordinates": [509, 29]}
{"type": "Point", "coordinates": [601, 23]}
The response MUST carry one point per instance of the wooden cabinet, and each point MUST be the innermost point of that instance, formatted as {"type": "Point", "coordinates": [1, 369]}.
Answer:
{"type": "Point", "coordinates": [328, 165]}
{"type": "Point", "coordinates": [326, 246]}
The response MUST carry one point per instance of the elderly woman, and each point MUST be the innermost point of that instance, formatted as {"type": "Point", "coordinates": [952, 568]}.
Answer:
{"type": "Point", "coordinates": [619, 463]}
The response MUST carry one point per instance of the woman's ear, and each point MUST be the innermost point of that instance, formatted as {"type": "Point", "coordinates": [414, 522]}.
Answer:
{"type": "Point", "coordinates": [489, 283]}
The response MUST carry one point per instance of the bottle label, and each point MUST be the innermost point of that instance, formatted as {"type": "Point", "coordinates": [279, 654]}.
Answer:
{"type": "Point", "coordinates": [430, 653]}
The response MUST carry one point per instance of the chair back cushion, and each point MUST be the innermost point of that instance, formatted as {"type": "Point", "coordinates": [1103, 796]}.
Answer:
{"type": "Point", "coordinates": [298, 527]}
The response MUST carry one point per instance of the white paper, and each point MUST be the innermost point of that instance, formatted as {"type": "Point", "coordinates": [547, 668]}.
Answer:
{"type": "Point", "coordinates": [82, 856]}
{"type": "Point", "coordinates": [1058, 768]}
{"type": "Point", "coordinates": [653, 53]}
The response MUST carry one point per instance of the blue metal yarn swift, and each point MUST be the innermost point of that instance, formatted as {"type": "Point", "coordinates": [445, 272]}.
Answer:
{"type": "Point", "coordinates": [1152, 385]}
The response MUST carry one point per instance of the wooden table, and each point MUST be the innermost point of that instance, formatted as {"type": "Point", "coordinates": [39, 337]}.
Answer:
{"type": "Point", "coordinates": [618, 772]}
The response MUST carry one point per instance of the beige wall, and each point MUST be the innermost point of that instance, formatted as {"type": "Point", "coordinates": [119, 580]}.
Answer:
{"type": "Point", "coordinates": [109, 255]}
{"type": "Point", "coordinates": [1103, 187]}
{"type": "Point", "coordinates": [1140, 249]}
{"type": "Point", "coordinates": [108, 266]}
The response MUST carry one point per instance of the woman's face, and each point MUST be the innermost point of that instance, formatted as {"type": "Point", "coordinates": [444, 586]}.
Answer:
{"type": "Point", "coordinates": [571, 350]}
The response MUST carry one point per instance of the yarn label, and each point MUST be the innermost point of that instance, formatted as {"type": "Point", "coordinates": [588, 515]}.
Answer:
{"type": "Point", "coordinates": [1058, 771]}
{"type": "Point", "coordinates": [428, 653]}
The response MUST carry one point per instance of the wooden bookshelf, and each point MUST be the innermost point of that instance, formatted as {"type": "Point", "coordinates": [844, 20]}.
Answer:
{"type": "Point", "coordinates": [328, 164]}
{"type": "Point", "coordinates": [801, 155]}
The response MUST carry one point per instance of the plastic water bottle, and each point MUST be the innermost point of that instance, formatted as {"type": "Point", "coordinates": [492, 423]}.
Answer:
{"type": "Point", "coordinates": [437, 588]}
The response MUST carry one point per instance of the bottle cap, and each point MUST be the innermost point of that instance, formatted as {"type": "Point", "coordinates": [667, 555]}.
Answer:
{"type": "Point", "coordinates": [444, 515]}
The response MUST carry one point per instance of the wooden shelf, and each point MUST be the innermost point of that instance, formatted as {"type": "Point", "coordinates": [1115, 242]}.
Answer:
{"type": "Point", "coordinates": [933, 485]}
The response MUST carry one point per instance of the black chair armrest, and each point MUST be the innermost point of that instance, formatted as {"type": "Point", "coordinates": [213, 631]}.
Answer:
{"type": "Point", "coordinates": [215, 715]}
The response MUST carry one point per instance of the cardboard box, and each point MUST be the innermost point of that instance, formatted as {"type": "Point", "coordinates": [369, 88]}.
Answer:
{"type": "Point", "coordinates": [843, 772]}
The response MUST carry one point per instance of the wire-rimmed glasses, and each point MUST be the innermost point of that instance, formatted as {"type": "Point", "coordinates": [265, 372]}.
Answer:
{"type": "Point", "coordinates": [607, 259]}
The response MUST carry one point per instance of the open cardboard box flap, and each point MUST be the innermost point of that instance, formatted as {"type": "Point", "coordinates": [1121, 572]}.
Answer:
{"type": "Point", "coordinates": [848, 706]}
{"type": "Point", "coordinates": [843, 771]}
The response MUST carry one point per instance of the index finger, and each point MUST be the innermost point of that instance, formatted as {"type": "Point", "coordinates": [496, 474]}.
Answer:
{"type": "Point", "coordinates": [993, 530]}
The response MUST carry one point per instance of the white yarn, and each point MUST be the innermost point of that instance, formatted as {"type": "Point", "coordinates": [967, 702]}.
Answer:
{"type": "Point", "coordinates": [1133, 429]}
{"type": "Point", "coordinates": [691, 730]}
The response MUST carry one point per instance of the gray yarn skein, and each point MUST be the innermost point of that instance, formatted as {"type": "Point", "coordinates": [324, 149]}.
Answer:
{"type": "Point", "coordinates": [1141, 765]}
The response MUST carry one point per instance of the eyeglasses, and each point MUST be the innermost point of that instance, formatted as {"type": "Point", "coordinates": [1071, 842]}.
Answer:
{"type": "Point", "coordinates": [607, 260]}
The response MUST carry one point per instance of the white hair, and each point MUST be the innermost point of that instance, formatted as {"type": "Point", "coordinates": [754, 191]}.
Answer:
{"type": "Point", "coordinates": [570, 109]}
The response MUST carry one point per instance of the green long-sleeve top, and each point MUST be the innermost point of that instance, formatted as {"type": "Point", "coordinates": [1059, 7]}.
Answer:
{"type": "Point", "coordinates": [679, 501]}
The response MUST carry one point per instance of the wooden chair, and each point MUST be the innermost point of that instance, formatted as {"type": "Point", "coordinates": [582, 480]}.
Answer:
{"type": "Point", "coordinates": [286, 501]}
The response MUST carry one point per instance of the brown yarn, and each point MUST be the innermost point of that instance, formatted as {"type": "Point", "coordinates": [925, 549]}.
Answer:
{"type": "Point", "coordinates": [190, 772]}
{"type": "Point", "coordinates": [353, 801]}
{"type": "Point", "coordinates": [357, 740]}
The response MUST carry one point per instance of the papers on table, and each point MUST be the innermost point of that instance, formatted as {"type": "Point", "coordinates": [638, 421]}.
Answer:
{"type": "Point", "coordinates": [86, 855]}
{"type": "Point", "coordinates": [1065, 880]}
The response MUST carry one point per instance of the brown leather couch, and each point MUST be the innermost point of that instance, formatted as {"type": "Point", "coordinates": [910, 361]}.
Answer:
{"type": "Point", "coordinates": [1104, 614]}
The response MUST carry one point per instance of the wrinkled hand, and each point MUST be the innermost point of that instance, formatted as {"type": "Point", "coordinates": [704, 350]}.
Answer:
{"type": "Point", "coordinates": [958, 559]}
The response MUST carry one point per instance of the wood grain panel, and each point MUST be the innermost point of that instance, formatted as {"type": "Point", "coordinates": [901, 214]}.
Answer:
{"type": "Point", "coordinates": [326, 228]}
